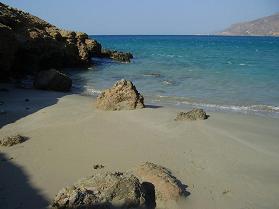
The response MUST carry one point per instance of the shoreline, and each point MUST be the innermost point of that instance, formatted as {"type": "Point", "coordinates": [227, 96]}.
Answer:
{"type": "Point", "coordinates": [227, 161]}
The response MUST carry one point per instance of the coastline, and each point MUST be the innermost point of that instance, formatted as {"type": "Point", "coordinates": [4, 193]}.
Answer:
{"type": "Point", "coordinates": [227, 161]}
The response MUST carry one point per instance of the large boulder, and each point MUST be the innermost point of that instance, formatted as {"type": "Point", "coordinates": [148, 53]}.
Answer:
{"type": "Point", "coordinates": [167, 187]}
{"type": "Point", "coordinates": [101, 191]}
{"type": "Point", "coordinates": [122, 96]}
{"type": "Point", "coordinates": [195, 114]}
{"type": "Point", "coordinates": [52, 80]}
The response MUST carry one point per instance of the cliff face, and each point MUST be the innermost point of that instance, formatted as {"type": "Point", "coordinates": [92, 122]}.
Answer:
{"type": "Point", "coordinates": [29, 44]}
{"type": "Point", "coordinates": [266, 26]}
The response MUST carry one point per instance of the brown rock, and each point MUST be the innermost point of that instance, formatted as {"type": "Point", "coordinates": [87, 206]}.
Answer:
{"type": "Point", "coordinates": [8, 48]}
{"type": "Point", "coordinates": [167, 187]}
{"type": "Point", "coordinates": [52, 80]}
{"type": "Point", "coordinates": [116, 55]}
{"type": "Point", "coordinates": [195, 114]}
{"type": "Point", "coordinates": [101, 191]}
{"type": "Point", "coordinates": [122, 96]}
{"type": "Point", "coordinates": [12, 140]}
{"type": "Point", "coordinates": [94, 48]}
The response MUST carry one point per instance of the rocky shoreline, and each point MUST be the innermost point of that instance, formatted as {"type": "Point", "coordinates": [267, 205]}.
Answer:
{"type": "Point", "coordinates": [30, 44]}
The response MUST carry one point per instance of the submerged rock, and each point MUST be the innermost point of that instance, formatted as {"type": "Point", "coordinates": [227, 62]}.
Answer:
{"type": "Point", "coordinates": [116, 55]}
{"type": "Point", "coordinates": [101, 191]}
{"type": "Point", "coordinates": [122, 96]}
{"type": "Point", "coordinates": [13, 140]}
{"type": "Point", "coordinates": [167, 187]}
{"type": "Point", "coordinates": [52, 80]}
{"type": "Point", "coordinates": [195, 114]}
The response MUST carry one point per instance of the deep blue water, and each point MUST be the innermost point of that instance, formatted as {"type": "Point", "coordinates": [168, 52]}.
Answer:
{"type": "Point", "coordinates": [213, 72]}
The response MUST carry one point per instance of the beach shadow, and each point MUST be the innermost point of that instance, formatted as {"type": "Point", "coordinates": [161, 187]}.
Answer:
{"type": "Point", "coordinates": [153, 106]}
{"type": "Point", "coordinates": [18, 103]}
{"type": "Point", "coordinates": [16, 190]}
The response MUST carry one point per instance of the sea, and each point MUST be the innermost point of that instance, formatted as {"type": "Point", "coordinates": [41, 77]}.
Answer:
{"type": "Point", "coordinates": [216, 73]}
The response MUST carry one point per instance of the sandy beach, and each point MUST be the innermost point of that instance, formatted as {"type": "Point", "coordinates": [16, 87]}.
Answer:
{"type": "Point", "coordinates": [227, 161]}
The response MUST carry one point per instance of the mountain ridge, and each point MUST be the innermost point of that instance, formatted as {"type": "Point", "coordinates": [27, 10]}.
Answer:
{"type": "Point", "coordinates": [265, 26]}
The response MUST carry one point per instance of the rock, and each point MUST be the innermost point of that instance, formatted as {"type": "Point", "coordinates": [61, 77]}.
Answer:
{"type": "Point", "coordinates": [98, 166]}
{"type": "Point", "coordinates": [12, 140]}
{"type": "Point", "coordinates": [116, 55]}
{"type": "Point", "coordinates": [195, 114]}
{"type": "Point", "coordinates": [82, 36]}
{"type": "Point", "coordinates": [8, 48]}
{"type": "Point", "coordinates": [94, 48]}
{"type": "Point", "coordinates": [167, 187]}
{"type": "Point", "coordinates": [52, 80]}
{"type": "Point", "coordinates": [29, 44]}
{"type": "Point", "coordinates": [122, 96]}
{"type": "Point", "coordinates": [101, 191]}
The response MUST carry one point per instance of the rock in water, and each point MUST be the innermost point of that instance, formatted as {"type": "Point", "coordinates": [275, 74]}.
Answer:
{"type": "Point", "coordinates": [101, 191]}
{"type": "Point", "coordinates": [167, 187]}
{"type": "Point", "coordinates": [122, 96]}
{"type": "Point", "coordinates": [116, 55]}
{"type": "Point", "coordinates": [13, 140]}
{"type": "Point", "coordinates": [52, 80]}
{"type": "Point", "coordinates": [195, 114]}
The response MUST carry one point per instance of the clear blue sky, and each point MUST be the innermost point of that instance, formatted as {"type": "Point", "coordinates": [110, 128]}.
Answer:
{"type": "Point", "coordinates": [146, 16]}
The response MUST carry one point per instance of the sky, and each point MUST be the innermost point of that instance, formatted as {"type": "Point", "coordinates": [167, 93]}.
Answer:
{"type": "Point", "coordinates": [146, 17]}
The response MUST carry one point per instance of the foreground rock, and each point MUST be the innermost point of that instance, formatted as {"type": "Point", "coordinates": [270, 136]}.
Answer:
{"type": "Point", "coordinates": [116, 55]}
{"type": "Point", "coordinates": [52, 80]}
{"type": "Point", "coordinates": [12, 140]}
{"type": "Point", "coordinates": [101, 191]}
{"type": "Point", "coordinates": [167, 187]}
{"type": "Point", "coordinates": [122, 96]}
{"type": "Point", "coordinates": [195, 114]}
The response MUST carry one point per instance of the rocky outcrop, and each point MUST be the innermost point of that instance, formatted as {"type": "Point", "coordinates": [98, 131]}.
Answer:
{"type": "Point", "coordinates": [29, 44]}
{"type": "Point", "coordinates": [122, 96]}
{"type": "Point", "coordinates": [167, 187]}
{"type": "Point", "coordinates": [116, 55]}
{"type": "Point", "coordinates": [52, 80]}
{"type": "Point", "coordinates": [101, 191]}
{"type": "Point", "coordinates": [195, 114]}
{"type": "Point", "coordinates": [13, 140]}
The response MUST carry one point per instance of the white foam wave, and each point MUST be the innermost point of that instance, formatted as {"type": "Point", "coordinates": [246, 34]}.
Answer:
{"type": "Point", "coordinates": [238, 108]}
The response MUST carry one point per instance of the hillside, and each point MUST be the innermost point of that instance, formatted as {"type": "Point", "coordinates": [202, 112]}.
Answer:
{"type": "Point", "coordinates": [266, 26]}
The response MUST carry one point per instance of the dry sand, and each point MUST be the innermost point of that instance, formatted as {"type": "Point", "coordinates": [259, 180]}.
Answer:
{"type": "Point", "coordinates": [227, 161]}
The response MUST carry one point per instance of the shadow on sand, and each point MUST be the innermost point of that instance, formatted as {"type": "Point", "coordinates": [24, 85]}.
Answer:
{"type": "Point", "coordinates": [15, 189]}
{"type": "Point", "coordinates": [18, 103]}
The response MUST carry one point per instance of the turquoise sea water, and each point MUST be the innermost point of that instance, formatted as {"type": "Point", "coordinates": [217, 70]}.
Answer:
{"type": "Point", "coordinates": [216, 73]}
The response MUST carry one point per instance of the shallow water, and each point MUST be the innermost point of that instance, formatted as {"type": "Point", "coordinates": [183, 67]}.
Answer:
{"type": "Point", "coordinates": [217, 73]}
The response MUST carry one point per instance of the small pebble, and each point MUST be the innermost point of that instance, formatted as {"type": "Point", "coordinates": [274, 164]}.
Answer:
{"type": "Point", "coordinates": [98, 166]}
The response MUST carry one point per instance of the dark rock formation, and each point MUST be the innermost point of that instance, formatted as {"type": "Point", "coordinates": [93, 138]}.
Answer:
{"type": "Point", "coordinates": [195, 114]}
{"type": "Point", "coordinates": [12, 140]}
{"type": "Point", "coordinates": [122, 96]}
{"type": "Point", "coordinates": [266, 26]}
{"type": "Point", "coordinates": [52, 80]}
{"type": "Point", "coordinates": [119, 56]}
{"type": "Point", "coordinates": [101, 191]}
{"type": "Point", "coordinates": [167, 187]}
{"type": "Point", "coordinates": [29, 44]}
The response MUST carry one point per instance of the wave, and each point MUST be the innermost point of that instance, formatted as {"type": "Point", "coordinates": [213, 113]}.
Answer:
{"type": "Point", "coordinates": [237, 108]}
{"type": "Point", "coordinates": [86, 90]}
